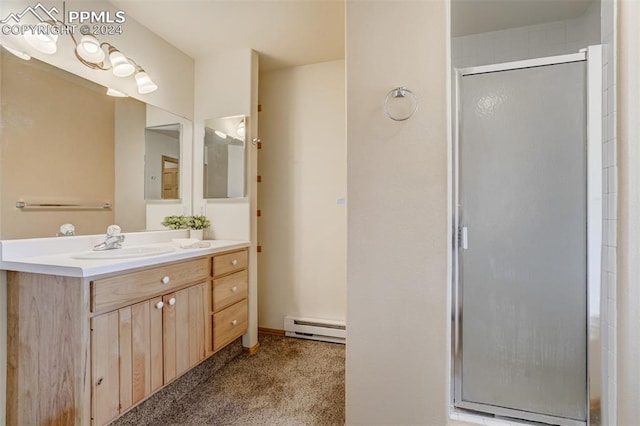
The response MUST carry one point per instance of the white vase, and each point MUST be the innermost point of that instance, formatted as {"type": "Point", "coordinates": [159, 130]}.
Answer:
{"type": "Point", "coordinates": [196, 233]}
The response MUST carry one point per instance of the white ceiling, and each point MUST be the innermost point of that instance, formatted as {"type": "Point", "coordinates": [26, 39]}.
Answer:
{"type": "Point", "coordinates": [284, 32]}
{"type": "Point", "coordinates": [479, 16]}
{"type": "Point", "coordinates": [298, 32]}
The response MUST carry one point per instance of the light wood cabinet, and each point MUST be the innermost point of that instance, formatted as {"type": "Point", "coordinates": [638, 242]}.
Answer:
{"type": "Point", "coordinates": [139, 348]}
{"type": "Point", "coordinates": [126, 362]}
{"type": "Point", "coordinates": [229, 324]}
{"type": "Point", "coordinates": [120, 290]}
{"type": "Point", "coordinates": [105, 368]}
{"type": "Point", "coordinates": [229, 301]}
{"type": "Point", "coordinates": [89, 350]}
{"type": "Point", "coordinates": [184, 319]}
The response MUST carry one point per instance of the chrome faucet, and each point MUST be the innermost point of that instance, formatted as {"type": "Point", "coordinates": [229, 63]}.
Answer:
{"type": "Point", "coordinates": [66, 230]}
{"type": "Point", "coordinates": [113, 239]}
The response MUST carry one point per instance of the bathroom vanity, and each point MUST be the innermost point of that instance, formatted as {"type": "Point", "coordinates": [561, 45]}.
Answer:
{"type": "Point", "coordinates": [90, 338]}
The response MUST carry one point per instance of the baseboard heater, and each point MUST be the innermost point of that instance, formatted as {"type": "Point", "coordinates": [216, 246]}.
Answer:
{"type": "Point", "coordinates": [315, 329]}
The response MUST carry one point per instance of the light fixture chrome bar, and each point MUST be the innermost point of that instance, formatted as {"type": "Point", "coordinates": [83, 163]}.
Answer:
{"type": "Point", "coordinates": [62, 206]}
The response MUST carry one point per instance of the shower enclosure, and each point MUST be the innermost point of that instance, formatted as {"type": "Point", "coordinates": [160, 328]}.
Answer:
{"type": "Point", "coordinates": [527, 242]}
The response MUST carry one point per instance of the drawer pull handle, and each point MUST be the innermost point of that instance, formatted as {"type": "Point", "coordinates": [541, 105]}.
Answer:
{"type": "Point", "coordinates": [159, 305]}
{"type": "Point", "coordinates": [234, 288]}
{"type": "Point", "coordinates": [234, 262]}
{"type": "Point", "coordinates": [234, 322]}
{"type": "Point", "coordinates": [172, 301]}
{"type": "Point", "coordinates": [165, 280]}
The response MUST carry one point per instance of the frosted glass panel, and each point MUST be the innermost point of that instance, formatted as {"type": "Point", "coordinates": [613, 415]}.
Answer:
{"type": "Point", "coordinates": [523, 277]}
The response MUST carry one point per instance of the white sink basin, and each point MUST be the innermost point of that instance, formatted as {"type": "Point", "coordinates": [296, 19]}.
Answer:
{"type": "Point", "coordinates": [125, 253]}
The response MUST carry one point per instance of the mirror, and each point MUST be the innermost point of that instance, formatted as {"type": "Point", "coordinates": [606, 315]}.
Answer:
{"type": "Point", "coordinates": [224, 158]}
{"type": "Point", "coordinates": [69, 146]}
{"type": "Point", "coordinates": [162, 162]}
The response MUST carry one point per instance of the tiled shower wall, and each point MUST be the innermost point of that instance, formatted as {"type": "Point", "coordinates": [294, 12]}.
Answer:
{"type": "Point", "coordinates": [535, 41]}
{"type": "Point", "coordinates": [556, 38]}
{"type": "Point", "coordinates": [610, 213]}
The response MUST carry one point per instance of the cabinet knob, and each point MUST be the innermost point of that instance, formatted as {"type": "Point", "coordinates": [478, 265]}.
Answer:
{"type": "Point", "coordinates": [159, 305]}
{"type": "Point", "coordinates": [234, 262]}
{"type": "Point", "coordinates": [234, 322]}
{"type": "Point", "coordinates": [172, 301]}
{"type": "Point", "coordinates": [165, 280]}
{"type": "Point", "coordinates": [234, 288]}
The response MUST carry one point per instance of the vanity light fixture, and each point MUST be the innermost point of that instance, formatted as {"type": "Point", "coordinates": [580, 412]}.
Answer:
{"type": "Point", "coordinates": [144, 82]}
{"type": "Point", "coordinates": [42, 39]}
{"type": "Point", "coordinates": [220, 134]}
{"type": "Point", "coordinates": [92, 53]}
{"type": "Point", "coordinates": [241, 129]}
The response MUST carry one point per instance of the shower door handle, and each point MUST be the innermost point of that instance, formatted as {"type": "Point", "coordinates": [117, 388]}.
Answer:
{"type": "Point", "coordinates": [463, 240]}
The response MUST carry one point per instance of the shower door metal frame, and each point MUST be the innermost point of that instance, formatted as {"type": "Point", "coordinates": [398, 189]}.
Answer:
{"type": "Point", "coordinates": [593, 57]}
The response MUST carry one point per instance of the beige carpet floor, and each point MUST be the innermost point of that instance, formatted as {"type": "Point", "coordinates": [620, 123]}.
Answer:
{"type": "Point", "coordinates": [288, 382]}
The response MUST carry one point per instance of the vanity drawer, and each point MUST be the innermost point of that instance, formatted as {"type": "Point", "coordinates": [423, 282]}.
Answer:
{"type": "Point", "coordinates": [229, 290]}
{"type": "Point", "coordinates": [226, 263]}
{"type": "Point", "coordinates": [229, 324]}
{"type": "Point", "coordinates": [110, 293]}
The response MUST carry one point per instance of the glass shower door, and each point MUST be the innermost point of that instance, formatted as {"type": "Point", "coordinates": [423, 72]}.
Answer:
{"type": "Point", "coordinates": [523, 212]}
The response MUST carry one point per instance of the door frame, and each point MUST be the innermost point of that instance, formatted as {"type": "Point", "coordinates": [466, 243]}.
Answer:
{"type": "Point", "coordinates": [595, 305]}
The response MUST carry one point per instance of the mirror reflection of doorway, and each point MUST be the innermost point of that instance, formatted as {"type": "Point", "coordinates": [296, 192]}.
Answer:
{"type": "Point", "coordinates": [161, 162]}
{"type": "Point", "coordinates": [170, 178]}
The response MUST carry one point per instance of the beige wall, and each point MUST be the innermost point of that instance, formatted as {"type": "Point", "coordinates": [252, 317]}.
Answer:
{"type": "Point", "coordinates": [303, 168]}
{"type": "Point", "coordinates": [397, 362]}
{"type": "Point", "coordinates": [49, 123]}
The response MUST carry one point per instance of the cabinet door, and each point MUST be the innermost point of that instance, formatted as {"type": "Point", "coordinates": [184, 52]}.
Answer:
{"type": "Point", "coordinates": [184, 322]}
{"type": "Point", "coordinates": [140, 351]}
{"type": "Point", "coordinates": [127, 358]}
{"type": "Point", "coordinates": [146, 350]}
{"type": "Point", "coordinates": [105, 368]}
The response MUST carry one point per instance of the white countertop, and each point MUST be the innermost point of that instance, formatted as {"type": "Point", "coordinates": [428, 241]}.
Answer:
{"type": "Point", "coordinates": [55, 256]}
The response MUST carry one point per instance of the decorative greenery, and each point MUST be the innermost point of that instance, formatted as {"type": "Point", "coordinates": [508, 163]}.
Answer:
{"type": "Point", "coordinates": [186, 222]}
{"type": "Point", "coordinates": [176, 222]}
{"type": "Point", "coordinates": [198, 222]}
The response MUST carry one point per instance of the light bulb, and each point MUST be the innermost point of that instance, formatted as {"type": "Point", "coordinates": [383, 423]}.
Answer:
{"type": "Point", "coordinates": [115, 93]}
{"type": "Point", "coordinates": [42, 38]}
{"type": "Point", "coordinates": [240, 130]}
{"type": "Point", "coordinates": [121, 65]}
{"type": "Point", "coordinates": [145, 84]}
{"type": "Point", "coordinates": [89, 49]}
